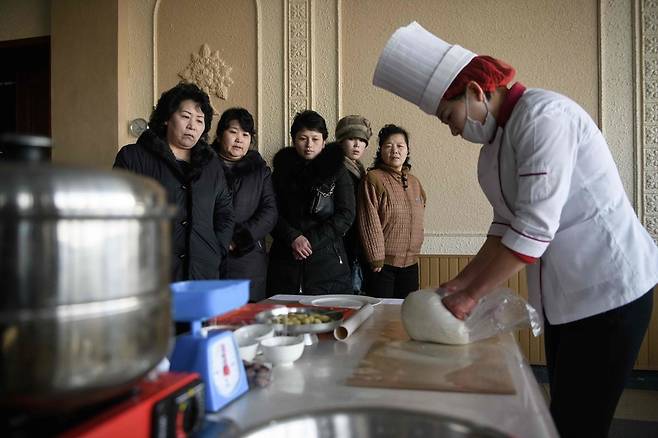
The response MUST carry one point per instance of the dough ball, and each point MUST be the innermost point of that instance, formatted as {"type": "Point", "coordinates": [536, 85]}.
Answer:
{"type": "Point", "coordinates": [425, 318]}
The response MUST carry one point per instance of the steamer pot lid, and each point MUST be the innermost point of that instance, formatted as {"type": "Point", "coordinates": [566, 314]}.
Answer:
{"type": "Point", "coordinates": [48, 191]}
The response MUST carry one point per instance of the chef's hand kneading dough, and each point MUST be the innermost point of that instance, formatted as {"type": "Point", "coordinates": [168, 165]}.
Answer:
{"type": "Point", "coordinates": [426, 319]}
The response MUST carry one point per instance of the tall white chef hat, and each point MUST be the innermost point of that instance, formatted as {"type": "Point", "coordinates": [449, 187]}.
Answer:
{"type": "Point", "coordinates": [418, 66]}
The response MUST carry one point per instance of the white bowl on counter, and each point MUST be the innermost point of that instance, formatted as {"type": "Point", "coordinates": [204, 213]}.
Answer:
{"type": "Point", "coordinates": [256, 332]}
{"type": "Point", "coordinates": [247, 351]}
{"type": "Point", "coordinates": [248, 339]}
{"type": "Point", "coordinates": [282, 350]}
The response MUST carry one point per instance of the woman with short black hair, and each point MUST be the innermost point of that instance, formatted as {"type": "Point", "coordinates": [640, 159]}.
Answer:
{"type": "Point", "coordinates": [174, 152]}
{"type": "Point", "coordinates": [316, 208]}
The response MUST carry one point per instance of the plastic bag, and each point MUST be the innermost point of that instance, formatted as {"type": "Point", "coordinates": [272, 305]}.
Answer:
{"type": "Point", "coordinates": [500, 311]}
{"type": "Point", "coordinates": [425, 318]}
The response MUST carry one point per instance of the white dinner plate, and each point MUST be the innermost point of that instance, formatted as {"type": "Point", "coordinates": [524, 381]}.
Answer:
{"type": "Point", "coordinates": [349, 301]}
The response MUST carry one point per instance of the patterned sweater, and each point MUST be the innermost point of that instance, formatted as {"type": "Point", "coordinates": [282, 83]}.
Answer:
{"type": "Point", "coordinates": [390, 217]}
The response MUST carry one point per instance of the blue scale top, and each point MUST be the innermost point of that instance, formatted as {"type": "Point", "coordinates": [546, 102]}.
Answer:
{"type": "Point", "coordinates": [197, 300]}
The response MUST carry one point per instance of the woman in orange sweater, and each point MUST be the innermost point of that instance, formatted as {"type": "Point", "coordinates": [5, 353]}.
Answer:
{"type": "Point", "coordinates": [390, 212]}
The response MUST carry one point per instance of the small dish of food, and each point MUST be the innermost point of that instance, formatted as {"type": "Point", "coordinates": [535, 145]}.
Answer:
{"type": "Point", "coordinates": [300, 320]}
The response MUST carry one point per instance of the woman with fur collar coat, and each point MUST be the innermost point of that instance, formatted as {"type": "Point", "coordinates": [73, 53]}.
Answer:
{"type": "Point", "coordinates": [308, 255]}
{"type": "Point", "coordinates": [254, 202]}
{"type": "Point", "coordinates": [174, 152]}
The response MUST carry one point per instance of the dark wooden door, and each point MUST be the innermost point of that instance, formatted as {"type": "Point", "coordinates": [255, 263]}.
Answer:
{"type": "Point", "coordinates": [25, 86]}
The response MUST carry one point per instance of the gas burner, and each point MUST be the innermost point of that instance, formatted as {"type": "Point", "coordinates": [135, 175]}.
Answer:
{"type": "Point", "coordinates": [172, 405]}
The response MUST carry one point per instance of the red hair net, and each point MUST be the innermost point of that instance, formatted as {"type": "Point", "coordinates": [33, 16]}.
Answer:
{"type": "Point", "coordinates": [490, 73]}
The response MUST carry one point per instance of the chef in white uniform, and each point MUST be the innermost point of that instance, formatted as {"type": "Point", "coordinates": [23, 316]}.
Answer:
{"type": "Point", "coordinates": [559, 210]}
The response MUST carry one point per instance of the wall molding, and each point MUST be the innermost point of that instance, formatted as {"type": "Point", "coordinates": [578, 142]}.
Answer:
{"type": "Point", "coordinates": [299, 65]}
{"type": "Point", "coordinates": [648, 154]}
{"type": "Point", "coordinates": [312, 53]}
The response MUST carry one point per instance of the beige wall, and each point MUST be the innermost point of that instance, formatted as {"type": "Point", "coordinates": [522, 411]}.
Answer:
{"type": "Point", "coordinates": [111, 59]}
{"type": "Point", "coordinates": [226, 26]}
{"type": "Point", "coordinates": [84, 78]}
{"type": "Point", "coordinates": [24, 19]}
{"type": "Point", "coordinates": [538, 48]}
{"type": "Point", "coordinates": [136, 53]}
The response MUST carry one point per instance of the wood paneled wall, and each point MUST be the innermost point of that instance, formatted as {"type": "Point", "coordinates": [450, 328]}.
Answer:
{"type": "Point", "coordinates": [435, 269]}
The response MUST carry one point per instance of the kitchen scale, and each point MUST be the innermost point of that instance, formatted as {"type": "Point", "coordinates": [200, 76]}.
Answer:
{"type": "Point", "coordinates": [213, 354]}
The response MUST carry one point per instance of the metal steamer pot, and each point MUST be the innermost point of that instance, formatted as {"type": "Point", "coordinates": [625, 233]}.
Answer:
{"type": "Point", "coordinates": [84, 282]}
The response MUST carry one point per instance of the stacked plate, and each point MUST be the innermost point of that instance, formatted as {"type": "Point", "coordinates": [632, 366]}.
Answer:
{"type": "Point", "coordinates": [347, 301]}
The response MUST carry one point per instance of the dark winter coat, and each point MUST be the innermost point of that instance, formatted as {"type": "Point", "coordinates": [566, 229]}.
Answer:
{"type": "Point", "coordinates": [352, 239]}
{"type": "Point", "coordinates": [326, 271]}
{"type": "Point", "coordinates": [203, 223]}
{"type": "Point", "coordinates": [254, 205]}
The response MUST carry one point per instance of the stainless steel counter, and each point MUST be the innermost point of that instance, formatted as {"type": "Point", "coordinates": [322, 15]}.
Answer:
{"type": "Point", "coordinates": [317, 381]}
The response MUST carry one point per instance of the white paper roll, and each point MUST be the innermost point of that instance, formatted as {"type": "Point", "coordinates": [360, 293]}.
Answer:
{"type": "Point", "coordinates": [350, 325]}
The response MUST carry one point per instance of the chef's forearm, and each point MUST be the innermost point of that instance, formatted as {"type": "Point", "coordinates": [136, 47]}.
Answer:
{"type": "Point", "coordinates": [501, 266]}
{"type": "Point", "coordinates": [481, 259]}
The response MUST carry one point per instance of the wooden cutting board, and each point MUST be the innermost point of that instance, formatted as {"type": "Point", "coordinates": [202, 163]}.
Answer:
{"type": "Point", "coordinates": [394, 361]}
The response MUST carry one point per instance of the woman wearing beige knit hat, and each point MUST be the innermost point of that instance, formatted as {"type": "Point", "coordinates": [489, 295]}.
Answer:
{"type": "Point", "coordinates": [353, 133]}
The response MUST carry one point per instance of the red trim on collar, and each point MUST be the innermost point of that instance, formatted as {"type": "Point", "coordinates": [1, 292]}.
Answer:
{"type": "Point", "coordinates": [513, 96]}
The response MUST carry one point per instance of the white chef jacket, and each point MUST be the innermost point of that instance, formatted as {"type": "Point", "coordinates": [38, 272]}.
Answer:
{"type": "Point", "coordinates": [557, 195]}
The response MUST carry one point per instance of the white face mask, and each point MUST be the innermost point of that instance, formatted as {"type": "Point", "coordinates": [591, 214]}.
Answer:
{"type": "Point", "coordinates": [477, 132]}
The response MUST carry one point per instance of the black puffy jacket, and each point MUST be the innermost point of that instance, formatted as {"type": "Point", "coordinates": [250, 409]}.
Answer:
{"type": "Point", "coordinates": [203, 223]}
{"type": "Point", "coordinates": [254, 205]}
{"type": "Point", "coordinates": [326, 271]}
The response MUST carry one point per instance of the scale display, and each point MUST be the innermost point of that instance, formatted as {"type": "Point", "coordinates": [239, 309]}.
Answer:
{"type": "Point", "coordinates": [225, 369]}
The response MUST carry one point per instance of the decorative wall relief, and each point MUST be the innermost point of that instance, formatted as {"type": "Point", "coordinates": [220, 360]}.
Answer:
{"type": "Point", "coordinates": [648, 173]}
{"type": "Point", "coordinates": [299, 63]}
{"type": "Point", "coordinates": [652, 225]}
{"type": "Point", "coordinates": [209, 72]}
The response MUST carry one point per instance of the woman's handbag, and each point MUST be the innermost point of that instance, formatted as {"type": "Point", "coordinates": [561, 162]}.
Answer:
{"type": "Point", "coordinates": [322, 202]}
{"type": "Point", "coordinates": [357, 277]}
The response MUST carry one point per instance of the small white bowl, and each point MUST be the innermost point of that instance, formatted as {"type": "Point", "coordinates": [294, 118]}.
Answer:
{"type": "Point", "coordinates": [255, 332]}
{"type": "Point", "coordinates": [282, 350]}
{"type": "Point", "coordinates": [248, 352]}
{"type": "Point", "coordinates": [248, 338]}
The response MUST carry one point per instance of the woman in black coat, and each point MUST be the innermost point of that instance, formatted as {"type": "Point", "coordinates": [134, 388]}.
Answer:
{"type": "Point", "coordinates": [174, 152]}
{"type": "Point", "coordinates": [254, 203]}
{"type": "Point", "coordinates": [308, 255]}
